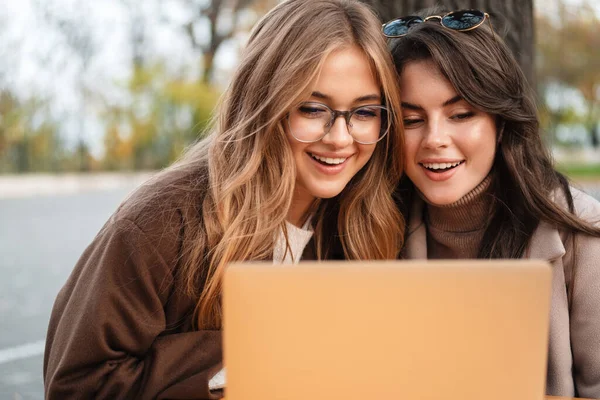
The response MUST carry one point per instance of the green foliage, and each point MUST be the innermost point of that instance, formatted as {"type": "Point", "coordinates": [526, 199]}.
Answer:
{"type": "Point", "coordinates": [580, 171]}
{"type": "Point", "coordinates": [164, 116]}
{"type": "Point", "coordinates": [567, 57]}
{"type": "Point", "coordinates": [29, 140]}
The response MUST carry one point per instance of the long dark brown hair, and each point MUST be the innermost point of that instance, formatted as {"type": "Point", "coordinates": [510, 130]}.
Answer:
{"type": "Point", "coordinates": [484, 72]}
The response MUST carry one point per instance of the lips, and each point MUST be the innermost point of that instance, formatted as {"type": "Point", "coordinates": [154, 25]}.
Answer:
{"type": "Point", "coordinates": [328, 160]}
{"type": "Point", "coordinates": [438, 167]}
{"type": "Point", "coordinates": [330, 166]}
{"type": "Point", "coordinates": [440, 170]}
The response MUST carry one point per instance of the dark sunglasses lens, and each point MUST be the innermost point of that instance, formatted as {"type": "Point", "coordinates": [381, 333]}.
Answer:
{"type": "Point", "coordinates": [400, 26]}
{"type": "Point", "coordinates": [462, 20]}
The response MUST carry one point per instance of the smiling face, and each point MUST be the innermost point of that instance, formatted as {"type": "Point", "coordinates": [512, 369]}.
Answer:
{"type": "Point", "coordinates": [325, 167]}
{"type": "Point", "coordinates": [450, 145]}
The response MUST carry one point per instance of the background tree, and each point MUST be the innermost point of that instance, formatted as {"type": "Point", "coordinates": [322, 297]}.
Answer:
{"type": "Point", "coordinates": [569, 67]}
{"type": "Point", "coordinates": [29, 139]}
{"type": "Point", "coordinates": [511, 19]}
{"type": "Point", "coordinates": [212, 23]}
{"type": "Point", "coordinates": [164, 116]}
{"type": "Point", "coordinates": [79, 40]}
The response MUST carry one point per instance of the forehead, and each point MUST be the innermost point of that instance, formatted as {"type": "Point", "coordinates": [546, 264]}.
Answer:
{"type": "Point", "coordinates": [422, 81]}
{"type": "Point", "coordinates": [348, 68]}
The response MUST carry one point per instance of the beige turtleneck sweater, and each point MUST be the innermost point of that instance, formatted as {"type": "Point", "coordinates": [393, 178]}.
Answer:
{"type": "Point", "coordinates": [455, 230]}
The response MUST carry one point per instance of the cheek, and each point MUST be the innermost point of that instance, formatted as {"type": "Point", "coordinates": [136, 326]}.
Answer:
{"type": "Point", "coordinates": [481, 145]}
{"type": "Point", "coordinates": [490, 156]}
{"type": "Point", "coordinates": [291, 142]}
{"type": "Point", "coordinates": [296, 147]}
{"type": "Point", "coordinates": [411, 146]}
{"type": "Point", "coordinates": [366, 152]}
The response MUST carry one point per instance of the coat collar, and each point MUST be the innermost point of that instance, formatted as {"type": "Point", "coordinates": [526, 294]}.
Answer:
{"type": "Point", "coordinates": [545, 244]}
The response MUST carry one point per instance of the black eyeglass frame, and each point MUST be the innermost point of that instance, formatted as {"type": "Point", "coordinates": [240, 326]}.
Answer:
{"type": "Point", "coordinates": [335, 114]}
{"type": "Point", "coordinates": [411, 19]}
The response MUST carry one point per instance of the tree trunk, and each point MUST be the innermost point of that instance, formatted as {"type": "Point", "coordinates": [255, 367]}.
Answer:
{"type": "Point", "coordinates": [511, 19]}
{"type": "Point", "coordinates": [593, 124]}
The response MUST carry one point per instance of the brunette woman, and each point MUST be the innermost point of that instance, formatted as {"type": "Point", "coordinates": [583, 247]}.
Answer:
{"type": "Point", "coordinates": [481, 184]}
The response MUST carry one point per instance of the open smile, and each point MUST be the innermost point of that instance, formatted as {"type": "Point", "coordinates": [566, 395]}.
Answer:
{"type": "Point", "coordinates": [440, 171]}
{"type": "Point", "coordinates": [328, 160]}
{"type": "Point", "coordinates": [328, 165]}
{"type": "Point", "coordinates": [441, 167]}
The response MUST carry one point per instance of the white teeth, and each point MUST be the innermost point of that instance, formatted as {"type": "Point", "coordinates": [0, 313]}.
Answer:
{"type": "Point", "coordinates": [329, 160]}
{"type": "Point", "coordinates": [440, 165]}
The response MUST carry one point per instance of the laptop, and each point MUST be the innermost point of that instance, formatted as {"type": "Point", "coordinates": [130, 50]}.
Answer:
{"type": "Point", "coordinates": [464, 330]}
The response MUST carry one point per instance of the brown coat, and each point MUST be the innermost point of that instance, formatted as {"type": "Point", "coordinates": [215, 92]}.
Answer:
{"type": "Point", "coordinates": [121, 328]}
{"type": "Point", "coordinates": [574, 346]}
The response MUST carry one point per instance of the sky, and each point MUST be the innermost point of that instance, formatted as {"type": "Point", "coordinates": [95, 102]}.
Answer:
{"type": "Point", "coordinates": [52, 48]}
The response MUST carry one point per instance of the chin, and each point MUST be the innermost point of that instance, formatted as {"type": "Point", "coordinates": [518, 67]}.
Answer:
{"type": "Point", "coordinates": [326, 193]}
{"type": "Point", "coordinates": [440, 199]}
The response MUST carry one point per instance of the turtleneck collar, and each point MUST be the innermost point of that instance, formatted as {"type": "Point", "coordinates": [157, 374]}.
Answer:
{"type": "Point", "coordinates": [469, 213]}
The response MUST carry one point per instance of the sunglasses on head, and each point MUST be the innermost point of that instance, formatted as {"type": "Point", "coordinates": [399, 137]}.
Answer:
{"type": "Point", "coordinates": [463, 20]}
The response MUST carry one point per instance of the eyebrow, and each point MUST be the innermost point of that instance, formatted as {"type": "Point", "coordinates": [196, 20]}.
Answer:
{"type": "Point", "coordinates": [453, 100]}
{"type": "Point", "coordinates": [448, 102]}
{"type": "Point", "coordinates": [360, 99]}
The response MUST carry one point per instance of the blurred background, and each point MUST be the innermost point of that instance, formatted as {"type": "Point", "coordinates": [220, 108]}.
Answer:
{"type": "Point", "coordinates": [96, 96]}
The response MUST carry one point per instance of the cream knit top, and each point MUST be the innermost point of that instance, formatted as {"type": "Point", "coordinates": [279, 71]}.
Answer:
{"type": "Point", "coordinates": [298, 239]}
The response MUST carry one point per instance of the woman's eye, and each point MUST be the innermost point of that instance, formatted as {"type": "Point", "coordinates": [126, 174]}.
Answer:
{"type": "Point", "coordinates": [462, 116]}
{"type": "Point", "coordinates": [408, 122]}
{"type": "Point", "coordinates": [367, 113]}
{"type": "Point", "coordinates": [312, 111]}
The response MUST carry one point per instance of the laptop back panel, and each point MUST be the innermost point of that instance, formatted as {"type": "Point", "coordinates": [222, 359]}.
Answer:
{"type": "Point", "coordinates": [382, 330]}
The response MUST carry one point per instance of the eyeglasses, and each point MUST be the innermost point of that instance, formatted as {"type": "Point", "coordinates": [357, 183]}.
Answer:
{"type": "Point", "coordinates": [463, 20]}
{"type": "Point", "coordinates": [310, 121]}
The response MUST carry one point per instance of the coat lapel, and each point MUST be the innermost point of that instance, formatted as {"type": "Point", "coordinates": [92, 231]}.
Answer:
{"type": "Point", "coordinates": [545, 244]}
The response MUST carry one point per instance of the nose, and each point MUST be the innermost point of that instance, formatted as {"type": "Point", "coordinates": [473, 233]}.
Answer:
{"type": "Point", "coordinates": [436, 135]}
{"type": "Point", "coordinates": [338, 136]}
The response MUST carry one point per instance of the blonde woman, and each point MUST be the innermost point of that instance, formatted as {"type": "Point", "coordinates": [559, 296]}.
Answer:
{"type": "Point", "coordinates": [304, 148]}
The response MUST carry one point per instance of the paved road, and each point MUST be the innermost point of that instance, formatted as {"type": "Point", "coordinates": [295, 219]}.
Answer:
{"type": "Point", "coordinates": [41, 238]}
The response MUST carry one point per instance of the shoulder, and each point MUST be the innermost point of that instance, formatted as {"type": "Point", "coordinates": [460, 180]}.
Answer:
{"type": "Point", "coordinates": [156, 214]}
{"type": "Point", "coordinates": [550, 241]}
{"type": "Point", "coordinates": [164, 197]}
{"type": "Point", "coordinates": [582, 251]}
{"type": "Point", "coordinates": [586, 207]}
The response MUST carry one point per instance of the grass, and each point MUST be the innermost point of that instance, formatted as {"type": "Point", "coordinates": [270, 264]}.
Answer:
{"type": "Point", "coordinates": [577, 171]}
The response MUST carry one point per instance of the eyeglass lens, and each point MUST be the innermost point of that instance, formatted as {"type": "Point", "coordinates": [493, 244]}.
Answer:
{"type": "Point", "coordinates": [310, 122]}
{"type": "Point", "coordinates": [457, 20]}
{"type": "Point", "coordinates": [400, 26]}
{"type": "Point", "coordinates": [461, 20]}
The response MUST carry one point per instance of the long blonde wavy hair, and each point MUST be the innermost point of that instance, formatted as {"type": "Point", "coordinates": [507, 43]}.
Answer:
{"type": "Point", "coordinates": [249, 165]}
